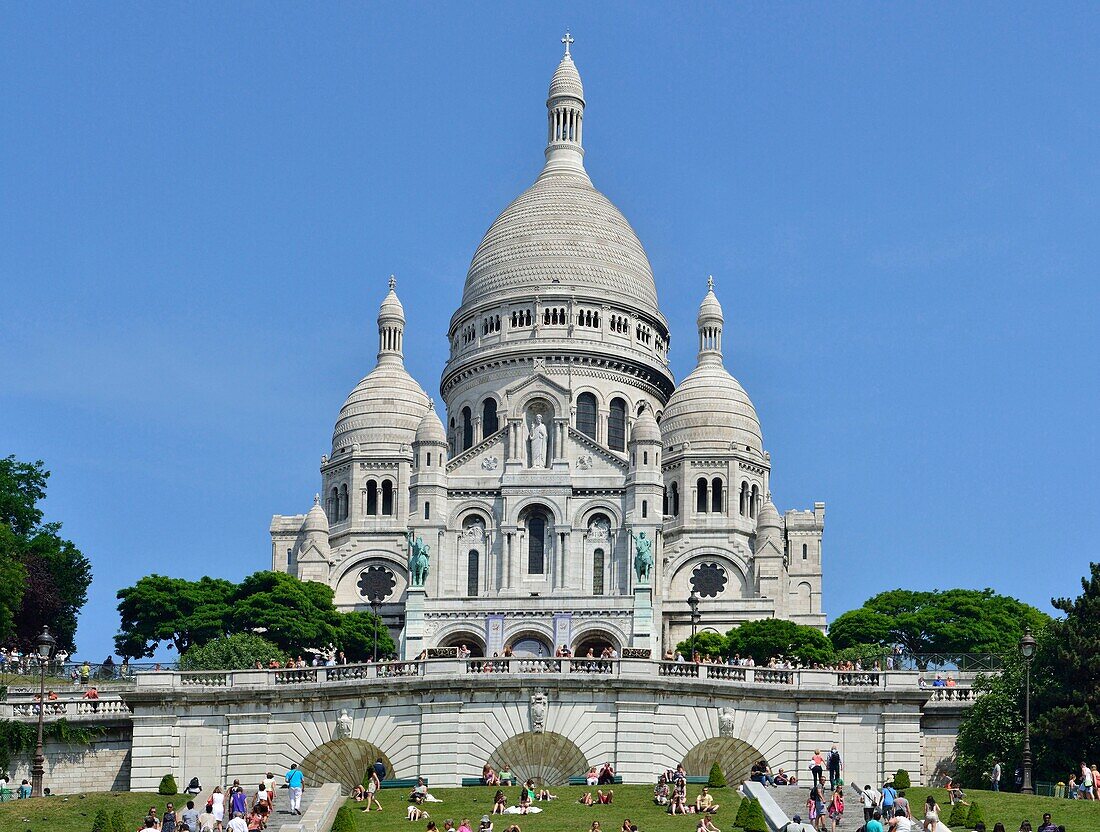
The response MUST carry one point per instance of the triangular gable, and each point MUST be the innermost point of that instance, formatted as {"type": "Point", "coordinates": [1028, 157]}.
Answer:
{"type": "Point", "coordinates": [600, 456]}
{"type": "Point", "coordinates": [470, 461]}
{"type": "Point", "coordinates": [537, 378]}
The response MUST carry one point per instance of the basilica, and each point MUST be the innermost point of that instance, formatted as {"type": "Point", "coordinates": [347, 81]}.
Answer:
{"type": "Point", "coordinates": [568, 492]}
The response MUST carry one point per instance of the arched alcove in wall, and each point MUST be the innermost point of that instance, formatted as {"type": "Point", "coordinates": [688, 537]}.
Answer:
{"type": "Point", "coordinates": [473, 642]}
{"type": "Point", "coordinates": [550, 759]}
{"type": "Point", "coordinates": [733, 755]}
{"type": "Point", "coordinates": [341, 761]}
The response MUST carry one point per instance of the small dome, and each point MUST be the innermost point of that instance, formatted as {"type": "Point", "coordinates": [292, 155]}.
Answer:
{"type": "Point", "coordinates": [646, 428]}
{"type": "Point", "coordinates": [382, 412]}
{"type": "Point", "coordinates": [391, 304]}
{"type": "Point", "coordinates": [710, 409]}
{"type": "Point", "coordinates": [431, 429]}
{"type": "Point", "coordinates": [316, 520]}
{"type": "Point", "coordinates": [769, 516]}
{"type": "Point", "coordinates": [710, 308]}
{"type": "Point", "coordinates": [566, 81]}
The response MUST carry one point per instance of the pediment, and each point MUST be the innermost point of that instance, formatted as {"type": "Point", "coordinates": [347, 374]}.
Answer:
{"type": "Point", "coordinates": [486, 458]}
{"type": "Point", "coordinates": [584, 451]}
{"type": "Point", "coordinates": [540, 380]}
{"type": "Point", "coordinates": [311, 552]}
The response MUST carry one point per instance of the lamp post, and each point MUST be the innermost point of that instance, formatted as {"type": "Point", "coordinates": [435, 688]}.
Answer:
{"type": "Point", "coordinates": [693, 602]}
{"type": "Point", "coordinates": [375, 601]}
{"type": "Point", "coordinates": [45, 644]}
{"type": "Point", "coordinates": [1027, 650]}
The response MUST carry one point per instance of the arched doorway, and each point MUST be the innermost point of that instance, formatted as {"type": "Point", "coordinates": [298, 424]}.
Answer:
{"type": "Point", "coordinates": [550, 759]}
{"type": "Point", "coordinates": [733, 755]}
{"type": "Point", "coordinates": [596, 641]}
{"type": "Point", "coordinates": [474, 643]}
{"type": "Point", "coordinates": [341, 761]}
{"type": "Point", "coordinates": [530, 645]}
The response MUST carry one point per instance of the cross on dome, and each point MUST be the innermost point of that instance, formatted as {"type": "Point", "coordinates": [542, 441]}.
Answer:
{"type": "Point", "coordinates": [393, 282]}
{"type": "Point", "coordinates": [710, 282]}
{"type": "Point", "coordinates": [568, 41]}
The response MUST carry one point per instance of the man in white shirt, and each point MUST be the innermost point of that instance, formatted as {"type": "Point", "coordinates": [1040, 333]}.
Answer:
{"type": "Point", "coordinates": [237, 824]}
{"type": "Point", "coordinates": [869, 798]}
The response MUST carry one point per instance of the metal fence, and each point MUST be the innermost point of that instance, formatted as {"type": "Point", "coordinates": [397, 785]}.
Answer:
{"type": "Point", "coordinates": [28, 669]}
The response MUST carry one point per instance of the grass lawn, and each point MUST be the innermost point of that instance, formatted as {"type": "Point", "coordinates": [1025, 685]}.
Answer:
{"type": "Point", "coordinates": [1010, 809]}
{"type": "Point", "coordinates": [73, 813]}
{"type": "Point", "coordinates": [562, 815]}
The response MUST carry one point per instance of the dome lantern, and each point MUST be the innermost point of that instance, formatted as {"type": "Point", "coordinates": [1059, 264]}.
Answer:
{"type": "Point", "coordinates": [710, 322]}
{"type": "Point", "coordinates": [565, 116]}
{"type": "Point", "coordinates": [391, 327]}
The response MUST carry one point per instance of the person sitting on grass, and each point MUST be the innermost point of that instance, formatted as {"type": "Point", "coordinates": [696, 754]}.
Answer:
{"type": "Point", "coordinates": [628, 826]}
{"type": "Point", "coordinates": [414, 812]}
{"type": "Point", "coordinates": [605, 798]}
{"type": "Point", "coordinates": [359, 794]}
{"type": "Point", "coordinates": [660, 791]}
{"type": "Point", "coordinates": [544, 794]}
{"type": "Point", "coordinates": [955, 792]}
{"type": "Point", "coordinates": [485, 824]}
{"type": "Point", "coordinates": [586, 799]}
{"type": "Point", "coordinates": [529, 791]}
{"type": "Point", "coordinates": [677, 806]}
{"type": "Point", "coordinates": [705, 802]}
{"type": "Point", "coordinates": [513, 828]}
{"type": "Point", "coordinates": [465, 826]}
{"type": "Point", "coordinates": [420, 791]}
{"type": "Point", "coordinates": [506, 778]}
{"type": "Point", "coordinates": [705, 824]}
{"type": "Point", "coordinates": [595, 827]}
{"type": "Point", "coordinates": [500, 802]}
{"type": "Point", "coordinates": [1047, 825]}
{"type": "Point", "coordinates": [524, 802]}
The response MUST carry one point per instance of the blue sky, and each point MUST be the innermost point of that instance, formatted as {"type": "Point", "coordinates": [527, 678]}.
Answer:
{"type": "Point", "coordinates": [200, 205]}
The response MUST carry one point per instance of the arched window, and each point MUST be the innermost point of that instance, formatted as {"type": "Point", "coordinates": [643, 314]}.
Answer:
{"type": "Point", "coordinates": [675, 500]}
{"type": "Point", "coordinates": [387, 498]}
{"type": "Point", "coordinates": [664, 501]}
{"type": "Point", "coordinates": [744, 499]}
{"type": "Point", "coordinates": [616, 426]}
{"type": "Point", "coordinates": [472, 573]}
{"type": "Point", "coordinates": [489, 423]}
{"type": "Point", "coordinates": [372, 497]}
{"type": "Point", "coordinates": [753, 497]}
{"type": "Point", "coordinates": [344, 502]}
{"type": "Point", "coordinates": [597, 572]}
{"type": "Point", "coordinates": [805, 551]}
{"type": "Point", "coordinates": [586, 414]}
{"type": "Point", "coordinates": [429, 459]}
{"type": "Point", "coordinates": [701, 496]}
{"type": "Point", "coordinates": [427, 511]}
{"type": "Point", "coordinates": [716, 495]}
{"type": "Point", "coordinates": [645, 509]}
{"type": "Point", "coordinates": [467, 428]}
{"type": "Point", "coordinates": [536, 543]}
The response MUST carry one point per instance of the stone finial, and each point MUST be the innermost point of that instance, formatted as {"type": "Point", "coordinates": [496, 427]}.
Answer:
{"type": "Point", "coordinates": [316, 499]}
{"type": "Point", "coordinates": [710, 283]}
{"type": "Point", "coordinates": [393, 282]}
{"type": "Point", "coordinates": [568, 41]}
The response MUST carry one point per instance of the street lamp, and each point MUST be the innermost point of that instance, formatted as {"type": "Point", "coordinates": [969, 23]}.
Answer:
{"type": "Point", "coordinates": [46, 644]}
{"type": "Point", "coordinates": [1027, 650]}
{"type": "Point", "coordinates": [693, 602]}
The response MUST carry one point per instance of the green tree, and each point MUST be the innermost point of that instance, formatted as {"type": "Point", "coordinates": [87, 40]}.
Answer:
{"type": "Point", "coordinates": [901, 780]}
{"type": "Point", "coordinates": [992, 728]}
{"type": "Point", "coordinates": [44, 578]}
{"type": "Point", "coordinates": [772, 637]}
{"type": "Point", "coordinates": [355, 634]}
{"type": "Point", "coordinates": [345, 820]}
{"type": "Point", "coordinates": [717, 779]}
{"type": "Point", "coordinates": [706, 642]}
{"type": "Point", "coordinates": [239, 651]}
{"type": "Point", "coordinates": [1066, 683]}
{"type": "Point", "coordinates": [167, 785]}
{"type": "Point", "coordinates": [118, 822]}
{"type": "Point", "coordinates": [160, 609]}
{"type": "Point", "coordinates": [293, 614]}
{"type": "Point", "coordinates": [953, 621]}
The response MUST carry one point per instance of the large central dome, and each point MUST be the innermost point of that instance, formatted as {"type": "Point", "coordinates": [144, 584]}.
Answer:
{"type": "Point", "coordinates": [563, 231]}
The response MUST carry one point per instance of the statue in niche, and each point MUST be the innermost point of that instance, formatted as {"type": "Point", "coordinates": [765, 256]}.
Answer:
{"type": "Point", "coordinates": [419, 558]}
{"type": "Point", "coordinates": [537, 436]}
{"type": "Point", "coordinates": [726, 719]}
{"type": "Point", "coordinates": [344, 724]}
{"type": "Point", "coordinates": [643, 556]}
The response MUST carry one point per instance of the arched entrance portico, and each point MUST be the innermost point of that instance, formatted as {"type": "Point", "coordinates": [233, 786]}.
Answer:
{"type": "Point", "coordinates": [550, 759]}
{"type": "Point", "coordinates": [596, 641]}
{"type": "Point", "coordinates": [474, 643]}
{"type": "Point", "coordinates": [341, 761]}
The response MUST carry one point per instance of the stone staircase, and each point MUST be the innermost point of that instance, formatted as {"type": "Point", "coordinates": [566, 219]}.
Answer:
{"type": "Point", "coordinates": [282, 816]}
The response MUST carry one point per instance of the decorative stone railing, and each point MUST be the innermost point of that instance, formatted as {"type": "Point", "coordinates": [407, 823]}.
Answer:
{"type": "Point", "coordinates": [452, 668]}
{"type": "Point", "coordinates": [106, 707]}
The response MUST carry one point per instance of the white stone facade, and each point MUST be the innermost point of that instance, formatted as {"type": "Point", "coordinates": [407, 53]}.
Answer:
{"type": "Point", "coordinates": [563, 433]}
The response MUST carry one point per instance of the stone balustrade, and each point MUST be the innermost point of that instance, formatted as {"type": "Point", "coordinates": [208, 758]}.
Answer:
{"type": "Point", "coordinates": [634, 669]}
{"type": "Point", "coordinates": [955, 694]}
{"type": "Point", "coordinates": [73, 708]}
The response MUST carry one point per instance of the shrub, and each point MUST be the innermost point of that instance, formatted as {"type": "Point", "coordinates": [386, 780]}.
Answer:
{"type": "Point", "coordinates": [102, 822]}
{"type": "Point", "coordinates": [167, 785]}
{"type": "Point", "coordinates": [974, 816]}
{"type": "Point", "coordinates": [118, 823]}
{"type": "Point", "coordinates": [754, 817]}
{"type": "Point", "coordinates": [742, 811]}
{"type": "Point", "coordinates": [901, 780]}
{"type": "Point", "coordinates": [345, 820]}
{"type": "Point", "coordinates": [239, 651]}
{"type": "Point", "coordinates": [717, 778]}
{"type": "Point", "coordinates": [958, 815]}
